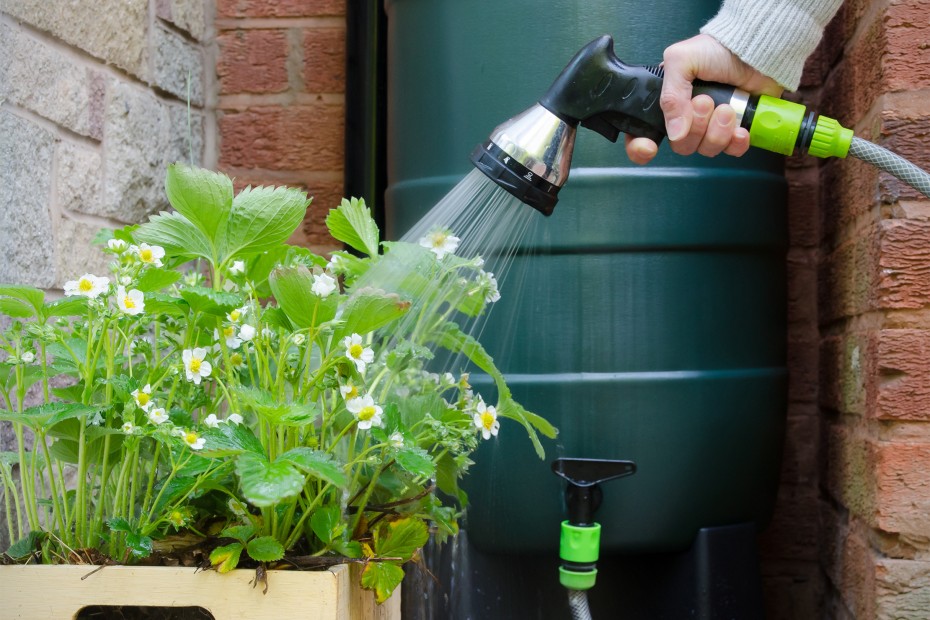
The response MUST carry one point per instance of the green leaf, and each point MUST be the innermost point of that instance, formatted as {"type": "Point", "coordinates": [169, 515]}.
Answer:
{"type": "Point", "coordinates": [417, 461]}
{"type": "Point", "coordinates": [382, 577]}
{"type": "Point", "coordinates": [69, 306]}
{"type": "Point", "coordinates": [43, 417]}
{"type": "Point", "coordinates": [177, 235]}
{"type": "Point", "coordinates": [265, 484]}
{"type": "Point", "coordinates": [263, 218]}
{"type": "Point", "coordinates": [316, 463]}
{"type": "Point", "coordinates": [265, 549]}
{"type": "Point", "coordinates": [351, 223]}
{"type": "Point", "coordinates": [155, 278]}
{"type": "Point", "coordinates": [400, 538]}
{"type": "Point", "coordinates": [327, 523]}
{"type": "Point", "coordinates": [28, 294]}
{"type": "Point", "coordinates": [242, 533]}
{"type": "Point", "coordinates": [226, 558]}
{"type": "Point", "coordinates": [275, 317]}
{"type": "Point", "coordinates": [509, 408]}
{"type": "Point", "coordinates": [369, 309]}
{"type": "Point", "coordinates": [217, 303]}
{"type": "Point", "coordinates": [26, 546]}
{"type": "Point", "coordinates": [15, 308]}
{"type": "Point", "coordinates": [349, 549]}
{"type": "Point", "coordinates": [118, 524]}
{"type": "Point", "coordinates": [274, 411]}
{"type": "Point", "coordinates": [159, 303]}
{"type": "Point", "coordinates": [230, 439]}
{"type": "Point", "coordinates": [139, 545]}
{"type": "Point", "coordinates": [202, 196]}
{"type": "Point", "coordinates": [291, 287]}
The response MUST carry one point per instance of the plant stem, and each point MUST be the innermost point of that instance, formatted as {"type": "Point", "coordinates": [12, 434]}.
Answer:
{"type": "Point", "coordinates": [53, 491]}
{"type": "Point", "coordinates": [10, 489]}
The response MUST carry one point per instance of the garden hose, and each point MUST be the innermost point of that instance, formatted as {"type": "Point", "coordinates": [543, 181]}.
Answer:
{"type": "Point", "coordinates": [578, 604]}
{"type": "Point", "coordinates": [889, 162]}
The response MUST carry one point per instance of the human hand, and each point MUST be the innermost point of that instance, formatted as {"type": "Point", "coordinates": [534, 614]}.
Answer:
{"type": "Point", "coordinates": [694, 125]}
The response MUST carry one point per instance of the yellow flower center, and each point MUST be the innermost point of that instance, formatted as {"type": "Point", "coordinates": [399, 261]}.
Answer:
{"type": "Point", "coordinates": [352, 393]}
{"type": "Point", "coordinates": [235, 359]}
{"type": "Point", "coordinates": [439, 239]}
{"type": "Point", "coordinates": [356, 351]}
{"type": "Point", "coordinates": [234, 315]}
{"type": "Point", "coordinates": [190, 437]}
{"type": "Point", "coordinates": [85, 285]}
{"type": "Point", "coordinates": [366, 413]}
{"type": "Point", "coordinates": [177, 518]}
{"type": "Point", "coordinates": [487, 420]}
{"type": "Point", "coordinates": [229, 332]}
{"type": "Point", "coordinates": [195, 364]}
{"type": "Point", "coordinates": [145, 255]}
{"type": "Point", "coordinates": [142, 399]}
{"type": "Point", "coordinates": [128, 302]}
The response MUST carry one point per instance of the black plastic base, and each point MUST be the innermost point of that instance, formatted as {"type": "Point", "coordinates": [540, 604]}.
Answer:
{"type": "Point", "coordinates": [718, 578]}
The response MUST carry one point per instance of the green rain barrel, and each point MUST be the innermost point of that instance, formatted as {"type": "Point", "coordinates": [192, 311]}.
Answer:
{"type": "Point", "coordinates": [651, 322]}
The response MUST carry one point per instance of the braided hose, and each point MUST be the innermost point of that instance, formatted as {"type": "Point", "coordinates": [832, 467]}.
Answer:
{"type": "Point", "coordinates": [578, 604]}
{"type": "Point", "coordinates": [891, 163]}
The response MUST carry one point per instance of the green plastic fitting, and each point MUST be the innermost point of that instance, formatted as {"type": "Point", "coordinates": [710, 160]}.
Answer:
{"type": "Point", "coordinates": [579, 545]}
{"type": "Point", "coordinates": [776, 124]}
{"type": "Point", "coordinates": [830, 139]}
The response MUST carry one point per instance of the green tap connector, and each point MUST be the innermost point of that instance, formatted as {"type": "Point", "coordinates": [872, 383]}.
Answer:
{"type": "Point", "coordinates": [782, 126]}
{"type": "Point", "coordinates": [579, 548]}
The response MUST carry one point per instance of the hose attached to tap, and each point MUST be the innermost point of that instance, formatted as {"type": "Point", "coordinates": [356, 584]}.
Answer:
{"type": "Point", "coordinates": [578, 604]}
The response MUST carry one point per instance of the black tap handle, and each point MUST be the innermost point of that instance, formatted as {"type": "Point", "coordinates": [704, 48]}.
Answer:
{"type": "Point", "coordinates": [602, 93]}
{"type": "Point", "coordinates": [583, 495]}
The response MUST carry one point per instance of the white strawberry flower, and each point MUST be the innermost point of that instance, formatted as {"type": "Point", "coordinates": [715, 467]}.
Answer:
{"type": "Point", "coordinates": [88, 285]}
{"type": "Point", "coordinates": [357, 352]}
{"type": "Point", "coordinates": [149, 254]}
{"type": "Point", "coordinates": [131, 303]}
{"type": "Point", "coordinates": [440, 242]}
{"type": "Point", "coordinates": [367, 412]}
{"type": "Point", "coordinates": [157, 416]}
{"type": "Point", "coordinates": [246, 332]}
{"type": "Point", "coordinates": [195, 364]}
{"type": "Point", "coordinates": [143, 397]}
{"type": "Point", "coordinates": [323, 285]}
{"type": "Point", "coordinates": [211, 420]}
{"type": "Point", "coordinates": [486, 419]}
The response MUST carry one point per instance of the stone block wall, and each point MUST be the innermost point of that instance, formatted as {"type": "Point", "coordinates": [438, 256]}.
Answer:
{"type": "Point", "coordinates": [93, 107]}
{"type": "Point", "coordinates": [281, 100]}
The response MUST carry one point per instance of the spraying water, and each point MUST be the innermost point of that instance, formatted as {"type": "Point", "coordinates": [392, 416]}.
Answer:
{"type": "Point", "coordinates": [468, 239]}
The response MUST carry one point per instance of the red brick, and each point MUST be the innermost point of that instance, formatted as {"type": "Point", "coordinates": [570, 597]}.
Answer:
{"type": "Point", "coordinates": [905, 133]}
{"type": "Point", "coordinates": [907, 55]}
{"type": "Point", "coordinates": [279, 8]}
{"type": "Point", "coordinates": [252, 61]}
{"type": "Point", "coordinates": [902, 383]}
{"type": "Point", "coordinates": [851, 463]}
{"type": "Point", "coordinates": [795, 530]}
{"type": "Point", "coordinates": [857, 81]}
{"type": "Point", "coordinates": [324, 60]}
{"type": "Point", "coordinates": [905, 253]}
{"type": "Point", "coordinates": [848, 277]}
{"type": "Point", "coordinates": [306, 137]}
{"type": "Point", "coordinates": [902, 487]}
{"type": "Point", "coordinates": [803, 207]}
{"type": "Point", "coordinates": [844, 360]}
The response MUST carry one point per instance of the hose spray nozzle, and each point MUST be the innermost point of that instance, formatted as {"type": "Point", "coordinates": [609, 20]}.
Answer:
{"type": "Point", "coordinates": [530, 154]}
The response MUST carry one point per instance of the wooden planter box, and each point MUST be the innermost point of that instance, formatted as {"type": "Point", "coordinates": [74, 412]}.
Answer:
{"type": "Point", "coordinates": [61, 591]}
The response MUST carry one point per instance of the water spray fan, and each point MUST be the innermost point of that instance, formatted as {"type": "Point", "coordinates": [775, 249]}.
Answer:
{"type": "Point", "coordinates": [530, 154]}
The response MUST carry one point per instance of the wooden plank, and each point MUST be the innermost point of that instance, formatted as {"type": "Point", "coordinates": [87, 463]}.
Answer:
{"type": "Point", "coordinates": [61, 591]}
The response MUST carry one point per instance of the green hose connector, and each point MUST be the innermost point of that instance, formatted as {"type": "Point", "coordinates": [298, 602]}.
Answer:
{"type": "Point", "coordinates": [579, 546]}
{"type": "Point", "coordinates": [783, 126]}
{"type": "Point", "coordinates": [776, 124]}
{"type": "Point", "coordinates": [830, 139]}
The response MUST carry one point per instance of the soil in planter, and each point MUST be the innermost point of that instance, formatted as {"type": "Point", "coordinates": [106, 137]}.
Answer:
{"type": "Point", "coordinates": [113, 612]}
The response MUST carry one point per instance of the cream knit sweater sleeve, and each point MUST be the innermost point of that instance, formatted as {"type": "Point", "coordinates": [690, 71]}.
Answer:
{"type": "Point", "coordinates": [774, 37]}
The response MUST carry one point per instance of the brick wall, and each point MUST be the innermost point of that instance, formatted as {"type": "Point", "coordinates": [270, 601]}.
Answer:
{"type": "Point", "coordinates": [852, 539]}
{"type": "Point", "coordinates": [281, 104]}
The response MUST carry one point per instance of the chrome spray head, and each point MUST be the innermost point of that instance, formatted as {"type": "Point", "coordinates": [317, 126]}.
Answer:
{"type": "Point", "coordinates": [529, 156]}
